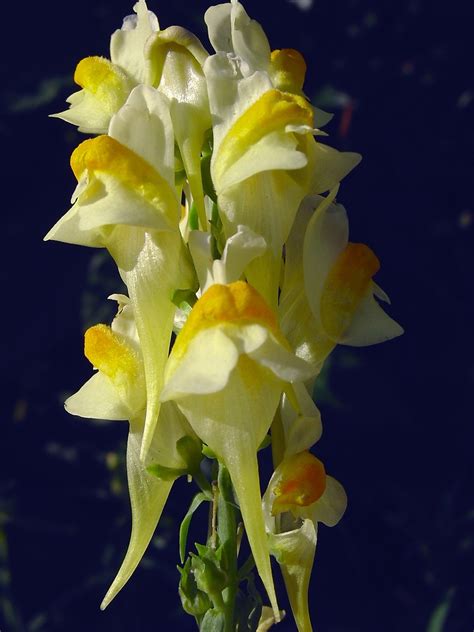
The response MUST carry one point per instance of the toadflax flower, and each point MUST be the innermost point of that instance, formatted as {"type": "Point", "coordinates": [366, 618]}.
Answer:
{"type": "Point", "coordinates": [106, 84]}
{"type": "Point", "coordinates": [328, 293]}
{"type": "Point", "coordinates": [117, 392]}
{"type": "Point", "coordinates": [299, 495]}
{"type": "Point", "coordinates": [126, 201]}
{"type": "Point", "coordinates": [227, 371]}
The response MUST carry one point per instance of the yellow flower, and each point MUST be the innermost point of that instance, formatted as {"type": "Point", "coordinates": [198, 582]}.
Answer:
{"type": "Point", "coordinates": [226, 372]}
{"type": "Point", "coordinates": [328, 293]}
{"type": "Point", "coordinates": [106, 84]}
{"type": "Point", "coordinates": [299, 495]}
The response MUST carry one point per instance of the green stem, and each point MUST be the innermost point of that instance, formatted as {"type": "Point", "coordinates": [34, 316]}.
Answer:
{"type": "Point", "coordinates": [227, 531]}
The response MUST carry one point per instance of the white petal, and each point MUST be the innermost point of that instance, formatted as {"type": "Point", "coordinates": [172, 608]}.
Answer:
{"type": "Point", "coordinates": [331, 166]}
{"type": "Point", "coordinates": [97, 399]}
{"type": "Point", "coordinates": [249, 40]}
{"type": "Point", "coordinates": [370, 324]}
{"type": "Point", "coordinates": [330, 508]}
{"type": "Point", "coordinates": [283, 363]}
{"type": "Point", "coordinates": [217, 19]}
{"type": "Point", "coordinates": [68, 230]}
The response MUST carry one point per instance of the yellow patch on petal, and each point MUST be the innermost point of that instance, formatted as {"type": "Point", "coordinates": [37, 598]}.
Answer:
{"type": "Point", "coordinates": [270, 113]}
{"type": "Point", "coordinates": [109, 353]}
{"type": "Point", "coordinates": [107, 155]}
{"type": "Point", "coordinates": [106, 81]}
{"type": "Point", "coordinates": [288, 69]}
{"type": "Point", "coordinates": [346, 285]}
{"type": "Point", "coordinates": [301, 482]}
{"type": "Point", "coordinates": [236, 304]}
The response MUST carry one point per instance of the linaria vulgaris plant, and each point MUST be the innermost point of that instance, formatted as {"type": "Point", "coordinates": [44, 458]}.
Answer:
{"type": "Point", "coordinates": [206, 180]}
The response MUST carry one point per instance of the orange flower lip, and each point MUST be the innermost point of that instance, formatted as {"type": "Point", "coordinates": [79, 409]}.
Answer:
{"type": "Point", "coordinates": [302, 482]}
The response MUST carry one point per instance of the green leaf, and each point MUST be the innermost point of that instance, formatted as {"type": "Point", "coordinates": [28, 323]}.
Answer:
{"type": "Point", "coordinates": [184, 528]}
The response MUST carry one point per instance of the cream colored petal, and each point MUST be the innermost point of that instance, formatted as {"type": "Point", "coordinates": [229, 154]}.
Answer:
{"type": "Point", "coordinates": [68, 230]}
{"type": "Point", "coordinates": [206, 367]}
{"type": "Point", "coordinates": [144, 125]}
{"type": "Point", "coordinates": [97, 399]}
{"type": "Point", "coordinates": [370, 324]}
{"type": "Point", "coordinates": [217, 19]}
{"type": "Point", "coordinates": [275, 151]}
{"type": "Point", "coordinates": [281, 362]}
{"type": "Point", "coordinates": [86, 112]}
{"type": "Point", "coordinates": [331, 166]}
{"type": "Point", "coordinates": [105, 88]}
{"type": "Point", "coordinates": [148, 496]}
{"type": "Point", "coordinates": [113, 203]}
{"type": "Point", "coordinates": [128, 43]}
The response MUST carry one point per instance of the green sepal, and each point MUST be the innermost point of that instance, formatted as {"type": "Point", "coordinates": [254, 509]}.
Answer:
{"type": "Point", "coordinates": [184, 528]}
{"type": "Point", "coordinates": [213, 621]}
{"type": "Point", "coordinates": [194, 601]}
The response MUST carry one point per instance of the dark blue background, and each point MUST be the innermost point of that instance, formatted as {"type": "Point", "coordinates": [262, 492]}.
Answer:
{"type": "Point", "coordinates": [398, 417]}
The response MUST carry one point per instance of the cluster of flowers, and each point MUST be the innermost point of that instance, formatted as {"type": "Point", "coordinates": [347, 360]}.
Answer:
{"type": "Point", "coordinates": [203, 180]}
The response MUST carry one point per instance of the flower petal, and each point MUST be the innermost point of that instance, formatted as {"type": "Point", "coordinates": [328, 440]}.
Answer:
{"type": "Point", "coordinates": [330, 508]}
{"type": "Point", "coordinates": [128, 43]}
{"type": "Point", "coordinates": [105, 88]}
{"type": "Point", "coordinates": [97, 399]}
